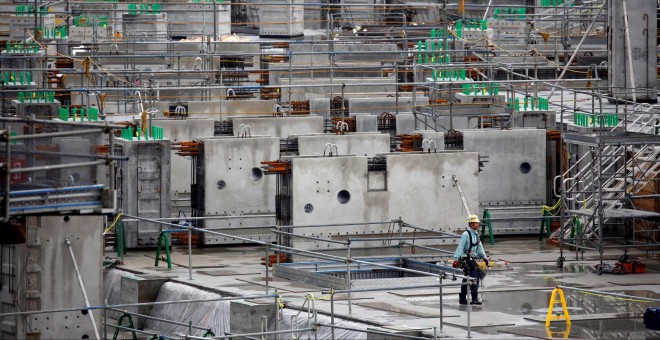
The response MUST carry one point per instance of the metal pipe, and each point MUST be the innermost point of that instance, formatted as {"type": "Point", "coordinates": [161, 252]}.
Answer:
{"type": "Point", "coordinates": [190, 255]}
{"type": "Point", "coordinates": [403, 238]}
{"type": "Point", "coordinates": [399, 288]}
{"type": "Point", "coordinates": [348, 275]}
{"type": "Point", "coordinates": [59, 122]}
{"type": "Point", "coordinates": [58, 166]}
{"type": "Point", "coordinates": [89, 308]}
{"type": "Point", "coordinates": [600, 292]}
{"type": "Point", "coordinates": [58, 134]}
{"type": "Point", "coordinates": [155, 318]}
{"type": "Point", "coordinates": [66, 154]}
{"type": "Point", "coordinates": [429, 248]}
{"type": "Point", "coordinates": [195, 218]}
{"type": "Point", "coordinates": [82, 287]}
{"type": "Point", "coordinates": [309, 237]}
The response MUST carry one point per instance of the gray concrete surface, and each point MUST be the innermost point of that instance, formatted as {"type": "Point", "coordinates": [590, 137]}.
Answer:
{"type": "Point", "coordinates": [511, 297]}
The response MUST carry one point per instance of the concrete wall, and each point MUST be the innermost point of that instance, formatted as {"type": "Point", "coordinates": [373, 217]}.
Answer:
{"type": "Point", "coordinates": [177, 130]}
{"type": "Point", "coordinates": [221, 110]}
{"type": "Point", "coordinates": [279, 126]}
{"type": "Point", "coordinates": [333, 86]}
{"type": "Point", "coordinates": [234, 184]}
{"type": "Point", "coordinates": [360, 144]}
{"type": "Point", "coordinates": [412, 183]}
{"type": "Point", "coordinates": [49, 278]}
{"type": "Point", "coordinates": [513, 176]}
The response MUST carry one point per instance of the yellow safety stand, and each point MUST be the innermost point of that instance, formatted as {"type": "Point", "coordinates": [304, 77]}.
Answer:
{"type": "Point", "coordinates": [551, 307]}
{"type": "Point", "coordinates": [557, 334]}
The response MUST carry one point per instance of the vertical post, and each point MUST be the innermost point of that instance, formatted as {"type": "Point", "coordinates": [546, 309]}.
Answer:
{"type": "Point", "coordinates": [105, 318]}
{"type": "Point", "coordinates": [7, 171]}
{"type": "Point", "coordinates": [348, 274]}
{"type": "Point", "coordinates": [332, 312]}
{"type": "Point", "coordinates": [111, 152]}
{"type": "Point", "coordinates": [267, 263]}
{"type": "Point", "coordinates": [400, 237]}
{"type": "Point", "coordinates": [277, 314]}
{"type": "Point", "coordinates": [440, 302]}
{"type": "Point", "coordinates": [451, 105]}
{"type": "Point", "coordinates": [190, 254]}
{"type": "Point", "coordinates": [290, 88]}
{"type": "Point", "coordinates": [469, 306]}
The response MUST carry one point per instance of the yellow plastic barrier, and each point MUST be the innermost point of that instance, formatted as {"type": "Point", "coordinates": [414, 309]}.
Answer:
{"type": "Point", "coordinates": [551, 307]}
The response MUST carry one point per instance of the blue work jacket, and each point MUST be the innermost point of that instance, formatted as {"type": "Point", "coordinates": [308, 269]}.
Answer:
{"type": "Point", "coordinates": [463, 248]}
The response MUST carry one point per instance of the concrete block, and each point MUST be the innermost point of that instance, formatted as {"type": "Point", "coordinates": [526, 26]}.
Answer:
{"type": "Point", "coordinates": [231, 182]}
{"type": "Point", "coordinates": [246, 316]}
{"type": "Point", "coordinates": [360, 144]}
{"type": "Point", "coordinates": [405, 123]}
{"type": "Point", "coordinates": [437, 137]}
{"type": "Point", "coordinates": [280, 127]}
{"type": "Point", "coordinates": [366, 123]}
{"type": "Point", "coordinates": [480, 98]}
{"type": "Point", "coordinates": [534, 119]}
{"type": "Point", "coordinates": [137, 290]}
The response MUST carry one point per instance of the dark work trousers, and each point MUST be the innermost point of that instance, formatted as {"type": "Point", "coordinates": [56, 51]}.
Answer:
{"type": "Point", "coordinates": [470, 270]}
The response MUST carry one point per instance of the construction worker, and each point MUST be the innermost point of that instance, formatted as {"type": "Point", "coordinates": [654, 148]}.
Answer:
{"type": "Point", "coordinates": [469, 249]}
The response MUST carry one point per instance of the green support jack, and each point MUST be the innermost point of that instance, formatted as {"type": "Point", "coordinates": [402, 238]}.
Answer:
{"type": "Point", "coordinates": [164, 240]}
{"type": "Point", "coordinates": [575, 225]}
{"type": "Point", "coordinates": [121, 240]}
{"type": "Point", "coordinates": [208, 333]}
{"type": "Point", "coordinates": [486, 219]}
{"type": "Point", "coordinates": [130, 325]}
{"type": "Point", "coordinates": [545, 223]}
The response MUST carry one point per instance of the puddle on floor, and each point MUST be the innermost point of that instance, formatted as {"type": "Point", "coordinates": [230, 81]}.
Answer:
{"type": "Point", "coordinates": [535, 302]}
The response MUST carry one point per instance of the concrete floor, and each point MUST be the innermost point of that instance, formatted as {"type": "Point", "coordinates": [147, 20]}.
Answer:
{"type": "Point", "coordinates": [515, 300]}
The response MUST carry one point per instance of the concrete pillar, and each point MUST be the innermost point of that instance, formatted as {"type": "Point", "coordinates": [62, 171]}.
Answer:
{"type": "Point", "coordinates": [639, 57]}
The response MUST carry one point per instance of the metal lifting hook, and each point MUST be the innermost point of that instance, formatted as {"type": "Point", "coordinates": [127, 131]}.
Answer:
{"type": "Point", "coordinates": [330, 146]}
{"type": "Point", "coordinates": [429, 142]}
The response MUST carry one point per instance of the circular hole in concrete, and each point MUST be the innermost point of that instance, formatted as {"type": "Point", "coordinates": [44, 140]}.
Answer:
{"type": "Point", "coordinates": [256, 174]}
{"type": "Point", "coordinates": [84, 312]}
{"type": "Point", "coordinates": [309, 208]}
{"type": "Point", "coordinates": [221, 184]}
{"type": "Point", "coordinates": [343, 196]}
{"type": "Point", "coordinates": [525, 167]}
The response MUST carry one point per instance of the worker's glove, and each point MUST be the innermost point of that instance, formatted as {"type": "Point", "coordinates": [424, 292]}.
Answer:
{"type": "Point", "coordinates": [455, 264]}
{"type": "Point", "coordinates": [486, 261]}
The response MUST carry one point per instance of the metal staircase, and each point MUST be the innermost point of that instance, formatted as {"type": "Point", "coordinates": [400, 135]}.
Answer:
{"type": "Point", "coordinates": [605, 181]}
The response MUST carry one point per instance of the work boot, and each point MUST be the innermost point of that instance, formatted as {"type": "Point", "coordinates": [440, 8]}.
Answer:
{"type": "Point", "coordinates": [462, 300]}
{"type": "Point", "coordinates": [476, 302]}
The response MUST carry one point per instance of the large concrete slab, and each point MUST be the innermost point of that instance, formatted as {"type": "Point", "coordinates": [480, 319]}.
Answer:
{"type": "Point", "coordinates": [338, 190]}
